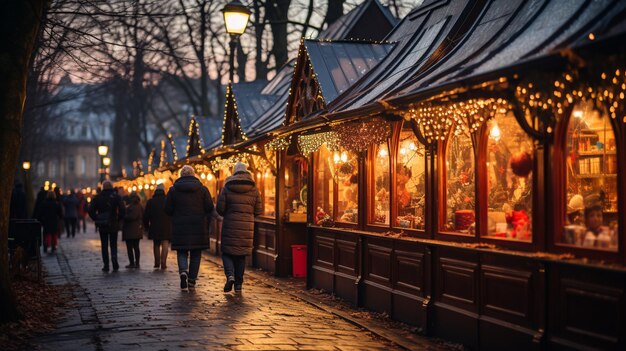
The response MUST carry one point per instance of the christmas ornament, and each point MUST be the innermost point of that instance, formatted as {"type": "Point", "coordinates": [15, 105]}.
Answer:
{"type": "Point", "coordinates": [522, 164]}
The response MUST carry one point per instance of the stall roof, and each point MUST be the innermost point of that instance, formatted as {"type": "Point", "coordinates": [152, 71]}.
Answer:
{"type": "Point", "coordinates": [339, 64]}
{"type": "Point", "coordinates": [423, 37]}
{"type": "Point", "coordinates": [368, 21]}
{"type": "Point", "coordinates": [251, 103]}
{"type": "Point", "coordinates": [509, 34]}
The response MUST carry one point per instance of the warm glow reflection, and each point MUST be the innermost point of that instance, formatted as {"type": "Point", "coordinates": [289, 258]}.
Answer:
{"type": "Point", "coordinates": [495, 132]}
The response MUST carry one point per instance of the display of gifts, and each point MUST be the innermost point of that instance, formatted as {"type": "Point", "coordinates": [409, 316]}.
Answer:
{"type": "Point", "coordinates": [463, 219]}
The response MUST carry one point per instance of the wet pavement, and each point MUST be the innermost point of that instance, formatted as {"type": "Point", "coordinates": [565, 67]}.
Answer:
{"type": "Point", "coordinates": [145, 308]}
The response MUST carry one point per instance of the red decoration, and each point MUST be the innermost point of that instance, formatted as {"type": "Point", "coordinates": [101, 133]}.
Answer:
{"type": "Point", "coordinates": [463, 219]}
{"type": "Point", "coordinates": [521, 225]}
{"type": "Point", "coordinates": [522, 164]}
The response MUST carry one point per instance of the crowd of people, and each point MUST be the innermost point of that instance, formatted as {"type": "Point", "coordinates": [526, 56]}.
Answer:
{"type": "Point", "coordinates": [180, 219]}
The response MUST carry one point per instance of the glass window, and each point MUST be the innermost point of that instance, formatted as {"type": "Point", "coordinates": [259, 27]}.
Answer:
{"type": "Point", "coordinates": [382, 183]}
{"type": "Point", "coordinates": [460, 183]}
{"type": "Point", "coordinates": [591, 168]}
{"type": "Point", "coordinates": [347, 176]}
{"type": "Point", "coordinates": [410, 181]}
{"type": "Point", "coordinates": [269, 193]}
{"type": "Point", "coordinates": [41, 168]}
{"type": "Point", "coordinates": [83, 166]}
{"type": "Point", "coordinates": [296, 176]}
{"type": "Point", "coordinates": [71, 167]}
{"type": "Point", "coordinates": [509, 179]}
{"type": "Point", "coordinates": [324, 187]}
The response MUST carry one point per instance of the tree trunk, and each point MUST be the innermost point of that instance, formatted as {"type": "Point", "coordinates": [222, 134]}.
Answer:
{"type": "Point", "coordinates": [19, 26]}
{"type": "Point", "coordinates": [334, 11]}
{"type": "Point", "coordinates": [277, 14]}
{"type": "Point", "coordinates": [260, 64]}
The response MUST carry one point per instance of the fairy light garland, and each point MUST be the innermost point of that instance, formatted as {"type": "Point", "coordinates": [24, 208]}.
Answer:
{"type": "Point", "coordinates": [309, 143]}
{"type": "Point", "coordinates": [230, 95]}
{"type": "Point", "coordinates": [358, 136]}
{"type": "Point", "coordinates": [219, 163]}
{"type": "Point", "coordinates": [279, 143]}
{"type": "Point", "coordinates": [437, 120]}
{"type": "Point", "coordinates": [163, 155]}
{"type": "Point", "coordinates": [151, 159]}
{"type": "Point", "coordinates": [173, 145]}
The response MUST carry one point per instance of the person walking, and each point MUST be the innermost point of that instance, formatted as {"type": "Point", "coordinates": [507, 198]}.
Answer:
{"type": "Point", "coordinates": [106, 210]}
{"type": "Point", "coordinates": [49, 215]}
{"type": "Point", "coordinates": [159, 226]}
{"type": "Point", "coordinates": [190, 205]}
{"type": "Point", "coordinates": [82, 212]}
{"type": "Point", "coordinates": [70, 205]}
{"type": "Point", "coordinates": [239, 202]}
{"type": "Point", "coordinates": [17, 208]}
{"type": "Point", "coordinates": [132, 231]}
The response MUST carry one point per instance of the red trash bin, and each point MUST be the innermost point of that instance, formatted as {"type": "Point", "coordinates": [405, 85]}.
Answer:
{"type": "Point", "coordinates": [299, 260]}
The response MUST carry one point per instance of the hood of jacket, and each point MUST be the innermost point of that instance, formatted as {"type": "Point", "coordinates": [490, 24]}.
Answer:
{"type": "Point", "coordinates": [240, 182]}
{"type": "Point", "coordinates": [187, 184]}
{"type": "Point", "coordinates": [158, 192]}
{"type": "Point", "coordinates": [108, 192]}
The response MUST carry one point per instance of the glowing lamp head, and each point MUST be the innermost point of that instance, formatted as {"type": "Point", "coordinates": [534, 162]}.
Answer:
{"type": "Point", "coordinates": [26, 165]}
{"type": "Point", "coordinates": [103, 150]}
{"type": "Point", "coordinates": [495, 133]}
{"type": "Point", "coordinates": [106, 161]}
{"type": "Point", "coordinates": [236, 17]}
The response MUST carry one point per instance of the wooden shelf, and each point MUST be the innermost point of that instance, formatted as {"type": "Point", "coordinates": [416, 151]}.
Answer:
{"type": "Point", "coordinates": [596, 175]}
{"type": "Point", "coordinates": [596, 153]}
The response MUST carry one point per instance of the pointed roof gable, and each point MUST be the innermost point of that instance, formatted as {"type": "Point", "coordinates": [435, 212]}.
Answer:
{"type": "Point", "coordinates": [231, 129]}
{"type": "Point", "coordinates": [326, 69]}
{"type": "Point", "coordinates": [368, 21]}
{"type": "Point", "coordinates": [194, 142]}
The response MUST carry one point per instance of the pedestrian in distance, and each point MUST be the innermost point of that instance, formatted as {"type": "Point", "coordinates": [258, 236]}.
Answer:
{"type": "Point", "coordinates": [17, 208]}
{"type": "Point", "coordinates": [70, 207]}
{"type": "Point", "coordinates": [239, 202]}
{"type": "Point", "coordinates": [82, 212]}
{"type": "Point", "coordinates": [132, 230]}
{"type": "Point", "coordinates": [190, 205]}
{"type": "Point", "coordinates": [106, 209]}
{"type": "Point", "coordinates": [49, 215]}
{"type": "Point", "coordinates": [159, 226]}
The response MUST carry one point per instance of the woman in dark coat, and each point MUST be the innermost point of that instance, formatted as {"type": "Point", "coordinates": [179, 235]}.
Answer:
{"type": "Point", "coordinates": [239, 202]}
{"type": "Point", "coordinates": [132, 231]}
{"type": "Point", "coordinates": [159, 226]}
{"type": "Point", "coordinates": [190, 205]}
{"type": "Point", "coordinates": [49, 214]}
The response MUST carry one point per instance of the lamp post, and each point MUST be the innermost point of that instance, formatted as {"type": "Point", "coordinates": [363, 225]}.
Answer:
{"type": "Point", "coordinates": [28, 187]}
{"type": "Point", "coordinates": [102, 151]}
{"type": "Point", "coordinates": [236, 17]}
{"type": "Point", "coordinates": [106, 161]}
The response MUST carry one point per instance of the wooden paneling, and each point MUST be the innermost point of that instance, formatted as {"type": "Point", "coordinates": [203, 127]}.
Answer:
{"type": "Point", "coordinates": [588, 309]}
{"type": "Point", "coordinates": [264, 253]}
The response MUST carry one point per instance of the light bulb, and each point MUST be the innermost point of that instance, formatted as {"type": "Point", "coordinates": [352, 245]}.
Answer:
{"type": "Point", "coordinates": [495, 133]}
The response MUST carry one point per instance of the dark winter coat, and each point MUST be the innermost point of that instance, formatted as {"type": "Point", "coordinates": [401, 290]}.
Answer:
{"type": "Point", "coordinates": [107, 205]}
{"type": "Point", "coordinates": [156, 222]}
{"type": "Point", "coordinates": [132, 228]}
{"type": "Point", "coordinates": [49, 215]}
{"type": "Point", "coordinates": [18, 202]}
{"type": "Point", "coordinates": [239, 202]}
{"type": "Point", "coordinates": [41, 197]}
{"type": "Point", "coordinates": [190, 205]}
{"type": "Point", "coordinates": [70, 205]}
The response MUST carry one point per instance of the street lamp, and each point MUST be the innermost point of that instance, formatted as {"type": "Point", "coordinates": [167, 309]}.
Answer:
{"type": "Point", "coordinates": [26, 165]}
{"type": "Point", "coordinates": [236, 17]}
{"type": "Point", "coordinates": [102, 151]}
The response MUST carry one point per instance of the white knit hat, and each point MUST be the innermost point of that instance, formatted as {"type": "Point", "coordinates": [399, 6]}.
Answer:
{"type": "Point", "coordinates": [186, 171]}
{"type": "Point", "coordinates": [240, 167]}
{"type": "Point", "coordinates": [160, 186]}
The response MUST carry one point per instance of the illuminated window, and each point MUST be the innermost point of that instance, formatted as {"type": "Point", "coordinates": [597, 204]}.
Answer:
{"type": "Point", "coordinates": [347, 176]}
{"type": "Point", "coordinates": [324, 187]}
{"type": "Point", "coordinates": [591, 167]}
{"type": "Point", "coordinates": [381, 185]}
{"type": "Point", "coordinates": [269, 192]}
{"type": "Point", "coordinates": [410, 181]}
{"type": "Point", "coordinates": [460, 189]}
{"type": "Point", "coordinates": [509, 179]}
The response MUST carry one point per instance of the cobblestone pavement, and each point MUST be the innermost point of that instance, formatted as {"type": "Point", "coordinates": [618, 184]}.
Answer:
{"type": "Point", "coordinates": [145, 308]}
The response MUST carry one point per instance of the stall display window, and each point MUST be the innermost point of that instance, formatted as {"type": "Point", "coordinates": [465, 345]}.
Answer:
{"type": "Point", "coordinates": [410, 181]}
{"type": "Point", "coordinates": [591, 167]}
{"type": "Point", "coordinates": [460, 188]}
{"type": "Point", "coordinates": [268, 180]}
{"type": "Point", "coordinates": [211, 183]}
{"type": "Point", "coordinates": [382, 184]}
{"type": "Point", "coordinates": [296, 175]}
{"type": "Point", "coordinates": [346, 175]}
{"type": "Point", "coordinates": [509, 179]}
{"type": "Point", "coordinates": [324, 187]}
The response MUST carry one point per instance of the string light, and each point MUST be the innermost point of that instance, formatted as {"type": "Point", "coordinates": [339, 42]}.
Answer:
{"type": "Point", "coordinates": [194, 140]}
{"type": "Point", "coordinates": [279, 143]}
{"type": "Point", "coordinates": [358, 136]}
{"type": "Point", "coordinates": [308, 143]}
{"type": "Point", "coordinates": [228, 122]}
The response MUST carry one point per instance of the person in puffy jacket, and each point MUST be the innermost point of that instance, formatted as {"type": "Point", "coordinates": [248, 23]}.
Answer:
{"type": "Point", "coordinates": [159, 226]}
{"type": "Point", "coordinates": [106, 210]}
{"type": "Point", "coordinates": [132, 230]}
{"type": "Point", "coordinates": [70, 207]}
{"type": "Point", "coordinates": [239, 202]}
{"type": "Point", "coordinates": [190, 205]}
